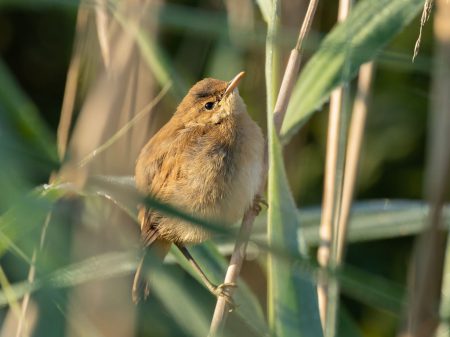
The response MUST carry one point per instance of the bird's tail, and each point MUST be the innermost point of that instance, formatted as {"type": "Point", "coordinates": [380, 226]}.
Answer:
{"type": "Point", "coordinates": [141, 285]}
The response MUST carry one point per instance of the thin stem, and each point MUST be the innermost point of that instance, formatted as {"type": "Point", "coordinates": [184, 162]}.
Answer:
{"type": "Point", "coordinates": [331, 193]}
{"type": "Point", "coordinates": [141, 114]}
{"type": "Point", "coordinates": [292, 68]}
{"type": "Point", "coordinates": [238, 256]}
{"type": "Point", "coordinates": [355, 138]}
{"type": "Point", "coordinates": [426, 12]}
{"type": "Point", "coordinates": [307, 22]}
{"type": "Point", "coordinates": [328, 200]}
{"type": "Point", "coordinates": [234, 268]}
{"type": "Point", "coordinates": [31, 277]}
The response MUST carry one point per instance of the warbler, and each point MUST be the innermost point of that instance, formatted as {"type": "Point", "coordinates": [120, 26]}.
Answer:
{"type": "Point", "coordinates": [205, 161]}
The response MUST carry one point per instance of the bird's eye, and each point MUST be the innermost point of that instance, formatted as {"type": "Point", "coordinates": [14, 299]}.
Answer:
{"type": "Point", "coordinates": [209, 105]}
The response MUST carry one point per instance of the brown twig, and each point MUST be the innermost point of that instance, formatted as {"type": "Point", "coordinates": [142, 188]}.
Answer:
{"type": "Point", "coordinates": [238, 256]}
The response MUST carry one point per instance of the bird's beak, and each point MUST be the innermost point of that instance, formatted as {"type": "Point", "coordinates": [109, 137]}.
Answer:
{"type": "Point", "coordinates": [233, 83]}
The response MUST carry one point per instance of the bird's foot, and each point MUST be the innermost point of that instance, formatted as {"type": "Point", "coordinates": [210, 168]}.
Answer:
{"type": "Point", "coordinates": [225, 290]}
{"type": "Point", "coordinates": [258, 203]}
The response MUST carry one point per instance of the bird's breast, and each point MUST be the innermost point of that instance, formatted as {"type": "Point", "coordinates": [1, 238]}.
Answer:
{"type": "Point", "coordinates": [225, 170]}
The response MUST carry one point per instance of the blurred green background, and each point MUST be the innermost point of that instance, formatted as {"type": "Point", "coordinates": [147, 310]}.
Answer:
{"type": "Point", "coordinates": [36, 42]}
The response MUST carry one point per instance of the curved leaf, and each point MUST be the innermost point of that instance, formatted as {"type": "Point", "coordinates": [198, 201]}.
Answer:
{"type": "Point", "coordinates": [370, 26]}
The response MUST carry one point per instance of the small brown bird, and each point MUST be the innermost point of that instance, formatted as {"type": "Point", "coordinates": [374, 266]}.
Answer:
{"type": "Point", "coordinates": [206, 161]}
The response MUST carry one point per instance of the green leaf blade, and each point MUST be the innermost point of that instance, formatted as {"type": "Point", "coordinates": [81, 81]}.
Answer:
{"type": "Point", "coordinates": [293, 306]}
{"type": "Point", "coordinates": [370, 26]}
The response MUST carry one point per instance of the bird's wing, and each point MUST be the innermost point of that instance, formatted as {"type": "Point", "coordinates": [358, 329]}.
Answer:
{"type": "Point", "coordinates": [155, 170]}
{"type": "Point", "coordinates": [149, 226]}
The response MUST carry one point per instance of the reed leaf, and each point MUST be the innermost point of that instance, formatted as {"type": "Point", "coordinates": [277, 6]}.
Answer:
{"type": "Point", "coordinates": [369, 27]}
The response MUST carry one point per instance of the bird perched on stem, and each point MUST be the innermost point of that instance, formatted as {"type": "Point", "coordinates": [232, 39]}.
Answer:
{"type": "Point", "coordinates": [206, 161]}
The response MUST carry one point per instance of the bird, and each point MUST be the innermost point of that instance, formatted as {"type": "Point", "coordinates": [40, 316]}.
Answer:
{"type": "Point", "coordinates": [206, 161]}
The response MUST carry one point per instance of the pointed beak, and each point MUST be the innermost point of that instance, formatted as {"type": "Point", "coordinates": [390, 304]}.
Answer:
{"type": "Point", "coordinates": [233, 84]}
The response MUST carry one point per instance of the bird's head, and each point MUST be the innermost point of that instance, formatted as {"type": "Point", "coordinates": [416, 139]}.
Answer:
{"type": "Point", "coordinates": [210, 100]}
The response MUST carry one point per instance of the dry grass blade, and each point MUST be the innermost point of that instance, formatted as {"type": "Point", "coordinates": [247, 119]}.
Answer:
{"type": "Point", "coordinates": [13, 319]}
{"type": "Point", "coordinates": [222, 307]}
{"type": "Point", "coordinates": [427, 266]}
{"type": "Point", "coordinates": [427, 6]}
{"type": "Point", "coordinates": [122, 131]}
{"type": "Point", "coordinates": [21, 325]}
{"type": "Point", "coordinates": [71, 85]}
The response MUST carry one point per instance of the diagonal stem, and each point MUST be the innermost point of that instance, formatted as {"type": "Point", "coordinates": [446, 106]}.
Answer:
{"type": "Point", "coordinates": [238, 256]}
{"type": "Point", "coordinates": [31, 278]}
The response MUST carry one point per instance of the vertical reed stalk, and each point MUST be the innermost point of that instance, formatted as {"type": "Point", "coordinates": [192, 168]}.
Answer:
{"type": "Point", "coordinates": [427, 264]}
{"type": "Point", "coordinates": [222, 307]}
{"type": "Point", "coordinates": [354, 142]}
{"type": "Point", "coordinates": [71, 84]}
{"type": "Point", "coordinates": [355, 137]}
{"type": "Point", "coordinates": [331, 186]}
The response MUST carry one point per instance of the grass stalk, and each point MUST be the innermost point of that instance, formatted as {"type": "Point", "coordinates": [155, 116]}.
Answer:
{"type": "Point", "coordinates": [355, 138]}
{"type": "Point", "coordinates": [331, 195]}
{"type": "Point", "coordinates": [428, 262]}
{"type": "Point", "coordinates": [426, 12]}
{"type": "Point", "coordinates": [71, 85]}
{"type": "Point", "coordinates": [237, 258]}
{"type": "Point", "coordinates": [292, 68]}
{"type": "Point", "coordinates": [123, 131]}
{"type": "Point", "coordinates": [21, 324]}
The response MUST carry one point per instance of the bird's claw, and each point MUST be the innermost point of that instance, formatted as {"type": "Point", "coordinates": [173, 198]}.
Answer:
{"type": "Point", "coordinates": [224, 290]}
{"type": "Point", "coordinates": [258, 202]}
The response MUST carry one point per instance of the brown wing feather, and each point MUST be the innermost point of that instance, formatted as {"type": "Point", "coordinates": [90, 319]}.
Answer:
{"type": "Point", "coordinates": [153, 168]}
{"type": "Point", "coordinates": [149, 227]}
